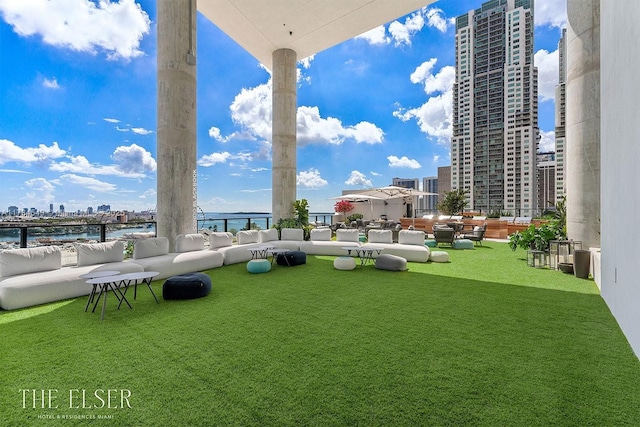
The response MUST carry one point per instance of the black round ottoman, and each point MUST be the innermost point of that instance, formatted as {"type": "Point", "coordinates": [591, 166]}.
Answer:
{"type": "Point", "coordinates": [186, 286]}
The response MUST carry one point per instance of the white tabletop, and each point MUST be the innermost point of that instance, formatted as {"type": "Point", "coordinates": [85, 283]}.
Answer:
{"type": "Point", "coordinates": [96, 274]}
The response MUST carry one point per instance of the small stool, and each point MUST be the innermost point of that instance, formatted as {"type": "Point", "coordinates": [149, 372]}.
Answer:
{"type": "Point", "coordinates": [463, 244]}
{"type": "Point", "coordinates": [438, 256]}
{"type": "Point", "coordinates": [258, 266]}
{"type": "Point", "coordinates": [186, 286]}
{"type": "Point", "coordinates": [292, 258]}
{"type": "Point", "coordinates": [391, 262]}
{"type": "Point", "coordinates": [344, 263]}
{"type": "Point", "coordinates": [431, 243]}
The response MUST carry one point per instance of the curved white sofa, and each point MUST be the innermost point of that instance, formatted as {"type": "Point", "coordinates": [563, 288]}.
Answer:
{"type": "Point", "coordinates": [222, 242]}
{"type": "Point", "coordinates": [320, 242]}
{"type": "Point", "coordinates": [32, 276]}
{"type": "Point", "coordinates": [410, 244]}
{"type": "Point", "coordinates": [190, 255]}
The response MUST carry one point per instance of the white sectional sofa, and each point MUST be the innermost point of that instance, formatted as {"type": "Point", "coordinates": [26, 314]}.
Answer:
{"type": "Point", "coordinates": [320, 242]}
{"type": "Point", "coordinates": [250, 239]}
{"type": "Point", "coordinates": [32, 276]}
{"type": "Point", "coordinates": [410, 244]}
{"type": "Point", "coordinates": [189, 256]}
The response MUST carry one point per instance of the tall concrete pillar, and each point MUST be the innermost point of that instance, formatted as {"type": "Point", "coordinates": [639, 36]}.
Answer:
{"type": "Point", "coordinates": [176, 132]}
{"type": "Point", "coordinates": [283, 149]}
{"type": "Point", "coordinates": [583, 122]}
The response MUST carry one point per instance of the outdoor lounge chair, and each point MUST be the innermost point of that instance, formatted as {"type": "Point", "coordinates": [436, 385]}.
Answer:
{"type": "Point", "coordinates": [444, 235]}
{"type": "Point", "coordinates": [477, 234]}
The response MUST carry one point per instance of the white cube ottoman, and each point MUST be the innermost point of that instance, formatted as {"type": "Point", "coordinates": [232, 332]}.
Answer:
{"type": "Point", "coordinates": [344, 263]}
{"type": "Point", "coordinates": [439, 256]}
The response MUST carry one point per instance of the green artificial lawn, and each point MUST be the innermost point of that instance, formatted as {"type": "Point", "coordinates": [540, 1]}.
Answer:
{"type": "Point", "coordinates": [482, 340]}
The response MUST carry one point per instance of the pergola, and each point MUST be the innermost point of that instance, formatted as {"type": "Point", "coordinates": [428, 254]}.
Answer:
{"type": "Point", "coordinates": [276, 33]}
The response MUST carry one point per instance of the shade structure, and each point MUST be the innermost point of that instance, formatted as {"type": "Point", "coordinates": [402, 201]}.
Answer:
{"type": "Point", "coordinates": [394, 192]}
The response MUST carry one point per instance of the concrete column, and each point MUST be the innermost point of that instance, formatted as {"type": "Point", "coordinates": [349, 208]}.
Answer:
{"type": "Point", "coordinates": [176, 132]}
{"type": "Point", "coordinates": [283, 149]}
{"type": "Point", "coordinates": [583, 122]}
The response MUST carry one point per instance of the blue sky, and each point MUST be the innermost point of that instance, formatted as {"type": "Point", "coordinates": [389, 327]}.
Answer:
{"type": "Point", "coordinates": [78, 106]}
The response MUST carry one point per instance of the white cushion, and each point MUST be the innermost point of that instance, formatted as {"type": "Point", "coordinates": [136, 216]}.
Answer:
{"type": "Point", "coordinates": [220, 240]}
{"type": "Point", "coordinates": [380, 236]}
{"type": "Point", "coordinates": [269, 235]}
{"type": "Point", "coordinates": [189, 242]}
{"type": "Point", "coordinates": [245, 237]}
{"type": "Point", "coordinates": [100, 253]}
{"type": "Point", "coordinates": [145, 248]}
{"type": "Point", "coordinates": [350, 235]}
{"type": "Point", "coordinates": [409, 237]}
{"type": "Point", "coordinates": [320, 234]}
{"type": "Point", "coordinates": [344, 263]}
{"type": "Point", "coordinates": [439, 256]}
{"type": "Point", "coordinates": [292, 234]}
{"type": "Point", "coordinates": [30, 260]}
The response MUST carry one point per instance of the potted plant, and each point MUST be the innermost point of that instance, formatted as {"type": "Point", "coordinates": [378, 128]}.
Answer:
{"type": "Point", "coordinates": [343, 207]}
{"type": "Point", "coordinates": [536, 238]}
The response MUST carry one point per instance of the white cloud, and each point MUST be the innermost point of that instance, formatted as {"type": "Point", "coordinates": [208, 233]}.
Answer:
{"type": "Point", "coordinates": [111, 120]}
{"type": "Point", "coordinates": [377, 36]}
{"type": "Point", "coordinates": [213, 158]}
{"type": "Point", "coordinates": [436, 158]}
{"type": "Point", "coordinates": [129, 162]}
{"type": "Point", "coordinates": [87, 182]}
{"type": "Point", "coordinates": [357, 178]}
{"type": "Point", "coordinates": [547, 141]}
{"type": "Point", "coordinates": [547, 63]}
{"type": "Point", "coordinates": [312, 128]}
{"type": "Point", "coordinates": [39, 191]}
{"type": "Point", "coordinates": [311, 179]}
{"type": "Point", "coordinates": [401, 33]}
{"type": "Point", "coordinates": [306, 62]}
{"type": "Point", "coordinates": [10, 152]}
{"type": "Point", "coordinates": [436, 19]}
{"type": "Point", "coordinates": [403, 162]}
{"type": "Point", "coordinates": [552, 13]}
{"type": "Point", "coordinates": [434, 117]}
{"type": "Point", "coordinates": [141, 131]}
{"type": "Point", "coordinates": [119, 129]}
{"type": "Point", "coordinates": [214, 133]}
{"type": "Point", "coordinates": [133, 160]}
{"type": "Point", "coordinates": [251, 109]}
{"type": "Point", "coordinates": [81, 25]}
{"type": "Point", "coordinates": [50, 83]}
{"type": "Point", "coordinates": [149, 194]}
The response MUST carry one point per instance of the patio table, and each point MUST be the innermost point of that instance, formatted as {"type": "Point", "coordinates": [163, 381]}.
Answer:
{"type": "Point", "coordinates": [365, 254]}
{"type": "Point", "coordinates": [94, 275]}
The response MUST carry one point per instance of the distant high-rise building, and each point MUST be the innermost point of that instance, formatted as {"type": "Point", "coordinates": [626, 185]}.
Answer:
{"type": "Point", "coordinates": [429, 203]}
{"type": "Point", "coordinates": [104, 208]}
{"type": "Point", "coordinates": [495, 107]}
{"type": "Point", "coordinates": [546, 179]}
{"type": "Point", "coordinates": [13, 210]}
{"type": "Point", "coordinates": [50, 208]}
{"type": "Point", "coordinates": [406, 183]}
{"type": "Point", "coordinates": [444, 182]}
{"type": "Point", "coordinates": [561, 103]}
{"type": "Point", "coordinates": [61, 210]}
{"type": "Point", "coordinates": [90, 210]}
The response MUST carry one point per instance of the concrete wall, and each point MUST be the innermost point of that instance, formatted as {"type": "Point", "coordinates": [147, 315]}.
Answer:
{"type": "Point", "coordinates": [620, 132]}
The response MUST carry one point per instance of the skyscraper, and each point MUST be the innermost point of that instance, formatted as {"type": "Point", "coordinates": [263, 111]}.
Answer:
{"type": "Point", "coordinates": [561, 102]}
{"type": "Point", "coordinates": [495, 108]}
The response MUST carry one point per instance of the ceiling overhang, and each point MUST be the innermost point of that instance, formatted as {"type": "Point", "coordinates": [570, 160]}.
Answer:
{"type": "Point", "coordinates": [305, 26]}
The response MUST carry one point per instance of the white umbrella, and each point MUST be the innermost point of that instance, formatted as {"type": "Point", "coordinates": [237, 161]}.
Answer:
{"type": "Point", "coordinates": [357, 197]}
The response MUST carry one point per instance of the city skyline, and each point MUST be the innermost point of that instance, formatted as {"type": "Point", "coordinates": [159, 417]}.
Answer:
{"type": "Point", "coordinates": [78, 112]}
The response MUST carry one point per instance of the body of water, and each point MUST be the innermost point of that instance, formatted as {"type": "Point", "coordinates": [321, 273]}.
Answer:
{"type": "Point", "coordinates": [214, 221]}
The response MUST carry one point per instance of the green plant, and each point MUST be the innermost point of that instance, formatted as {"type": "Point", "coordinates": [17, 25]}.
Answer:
{"type": "Point", "coordinates": [301, 219]}
{"type": "Point", "coordinates": [354, 217]}
{"type": "Point", "coordinates": [536, 238]}
{"type": "Point", "coordinates": [454, 202]}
